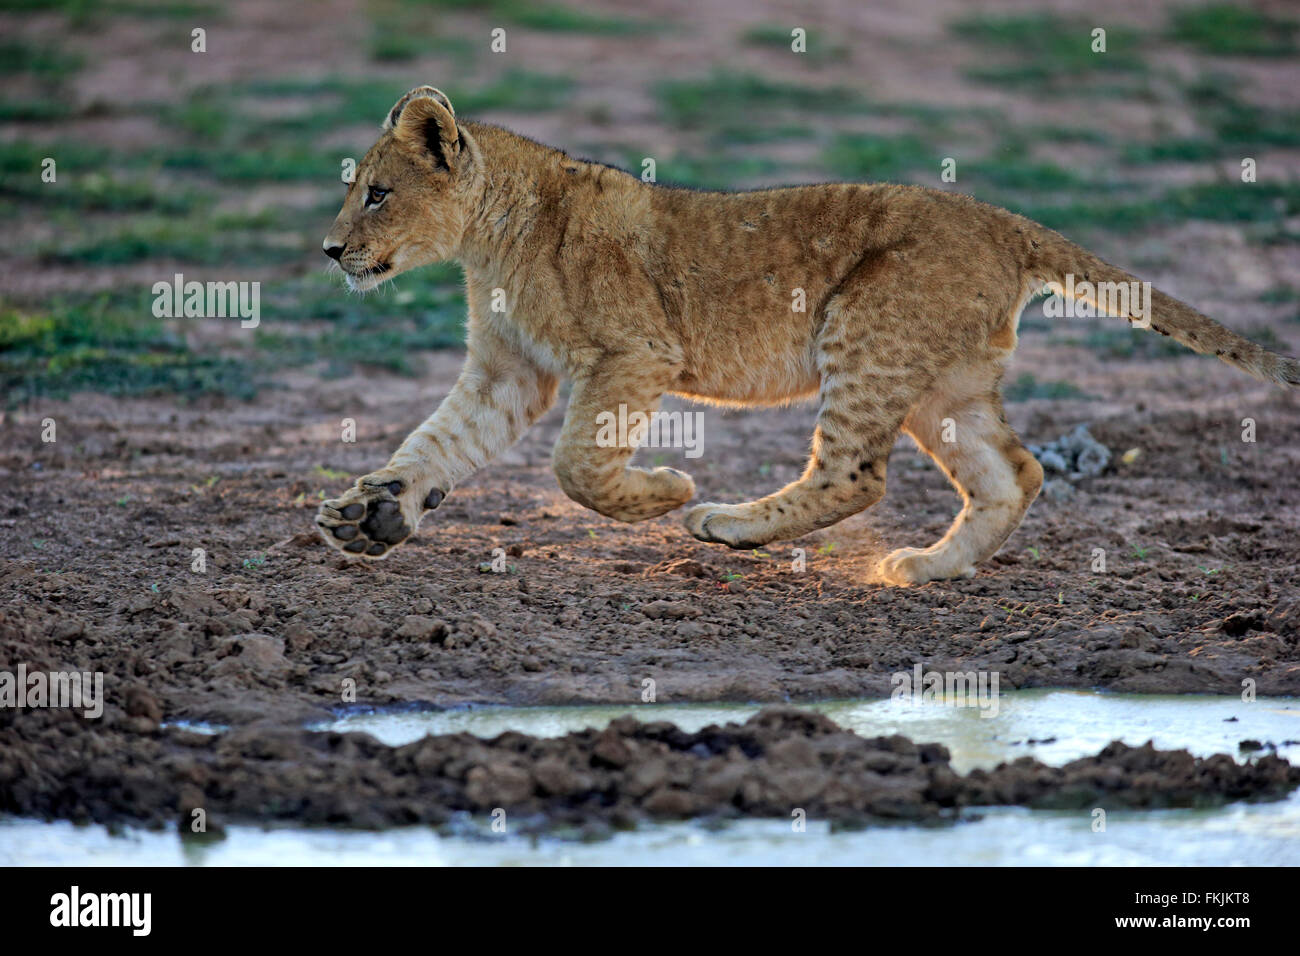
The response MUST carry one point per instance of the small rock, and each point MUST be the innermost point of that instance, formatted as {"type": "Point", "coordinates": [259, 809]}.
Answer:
{"type": "Point", "coordinates": [672, 610]}
{"type": "Point", "coordinates": [298, 637]}
{"type": "Point", "coordinates": [263, 654]}
{"type": "Point", "coordinates": [417, 627]}
{"type": "Point", "coordinates": [141, 703]}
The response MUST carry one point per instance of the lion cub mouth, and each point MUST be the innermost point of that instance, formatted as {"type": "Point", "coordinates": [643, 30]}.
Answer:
{"type": "Point", "coordinates": [368, 277]}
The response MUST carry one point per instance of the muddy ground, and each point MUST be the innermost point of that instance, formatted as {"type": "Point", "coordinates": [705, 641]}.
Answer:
{"type": "Point", "coordinates": [776, 763]}
{"type": "Point", "coordinates": [1199, 591]}
{"type": "Point", "coordinates": [100, 530]}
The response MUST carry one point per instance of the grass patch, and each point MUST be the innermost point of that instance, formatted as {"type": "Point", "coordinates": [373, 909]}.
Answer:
{"type": "Point", "coordinates": [420, 310]}
{"type": "Point", "coordinates": [698, 102]}
{"type": "Point", "coordinates": [713, 171]}
{"type": "Point", "coordinates": [112, 343]}
{"type": "Point", "coordinates": [34, 109]}
{"type": "Point", "coordinates": [1214, 202]}
{"type": "Point", "coordinates": [857, 156]}
{"type": "Point", "coordinates": [1225, 29]}
{"type": "Point", "coordinates": [1028, 387]}
{"type": "Point", "coordinates": [223, 240]}
{"type": "Point", "coordinates": [29, 58]}
{"type": "Point", "coordinates": [368, 101]}
{"type": "Point", "coordinates": [1122, 341]}
{"type": "Point", "coordinates": [1233, 127]}
{"type": "Point", "coordinates": [1046, 51]}
{"type": "Point", "coordinates": [403, 31]}
{"type": "Point", "coordinates": [1019, 173]}
{"type": "Point", "coordinates": [773, 36]}
{"type": "Point", "coordinates": [82, 185]}
{"type": "Point", "coordinates": [102, 345]}
{"type": "Point", "coordinates": [548, 17]}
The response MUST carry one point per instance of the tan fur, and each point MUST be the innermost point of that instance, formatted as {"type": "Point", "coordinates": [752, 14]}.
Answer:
{"type": "Point", "coordinates": [633, 290]}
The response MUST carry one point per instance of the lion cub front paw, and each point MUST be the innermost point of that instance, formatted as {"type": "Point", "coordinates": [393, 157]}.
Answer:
{"type": "Point", "coordinates": [914, 566]}
{"type": "Point", "coordinates": [373, 517]}
{"type": "Point", "coordinates": [726, 524]}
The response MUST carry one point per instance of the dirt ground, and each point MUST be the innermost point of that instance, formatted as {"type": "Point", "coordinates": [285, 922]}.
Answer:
{"type": "Point", "coordinates": [99, 532]}
{"type": "Point", "coordinates": [102, 527]}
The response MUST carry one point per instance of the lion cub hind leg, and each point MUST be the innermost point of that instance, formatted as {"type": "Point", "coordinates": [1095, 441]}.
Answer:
{"type": "Point", "coordinates": [961, 425]}
{"type": "Point", "coordinates": [591, 457]}
{"type": "Point", "coordinates": [867, 386]}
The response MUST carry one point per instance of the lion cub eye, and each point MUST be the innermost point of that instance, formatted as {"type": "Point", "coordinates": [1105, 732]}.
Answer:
{"type": "Point", "coordinates": [376, 195]}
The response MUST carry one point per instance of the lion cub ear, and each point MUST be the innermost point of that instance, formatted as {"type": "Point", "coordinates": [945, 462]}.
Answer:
{"type": "Point", "coordinates": [426, 119]}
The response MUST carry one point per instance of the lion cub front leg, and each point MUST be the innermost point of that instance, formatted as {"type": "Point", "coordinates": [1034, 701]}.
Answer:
{"type": "Point", "coordinates": [498, 395]}
{"type": "Point", "coordinates": [591, 457]}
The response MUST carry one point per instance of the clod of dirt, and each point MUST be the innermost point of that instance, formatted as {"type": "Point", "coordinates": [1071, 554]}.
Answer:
{"type": "Point", "coordinates": [1075, 455]}
{"type": "Point", "coordinates": [777, 761]}
{"type": "Point", "coordinates": [1239, 623]}
{"type": "Point", "coordinates": [416, 627]}
{"type": "Point", "coordinates": [681, 566]}
{"type": "Point", "coordinates": [669, 610]}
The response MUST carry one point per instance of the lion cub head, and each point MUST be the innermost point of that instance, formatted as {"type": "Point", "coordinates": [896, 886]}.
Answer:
{"type": "Point", "coordinates": [406, 205]}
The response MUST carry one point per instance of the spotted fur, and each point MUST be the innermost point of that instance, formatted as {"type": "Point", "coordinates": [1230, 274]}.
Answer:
{"type": "Point", "coordinates": [633, 291]}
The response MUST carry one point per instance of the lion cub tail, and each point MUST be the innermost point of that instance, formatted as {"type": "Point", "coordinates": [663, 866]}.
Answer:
{"type": "Point", "coordinates": [1079, 276]}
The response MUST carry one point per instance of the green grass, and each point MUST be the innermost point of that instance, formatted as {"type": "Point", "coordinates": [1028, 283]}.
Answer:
{"type": "Point", "coordinates": [222, 240]}
{"type": "Point", "coordinates": [87, 180]}
{"type": "Point", "coordinates": [1280, 295]}
{"type": "Point", "coordinates": [1225, 29]}
{"type": "Point", "coordinates": [1015, 171]}
{"type": "Point", "coordinates": [1118, 340]}
{"type": "Point", "coordinates": [905, 158]}
{"type": "Point", "coordinates": [696, 102]}
{"type": "Point", "coordinates": [421, 310]}
{"type": "Point", "coordinates": [1043, 51]}
{"type": "Point", "coordinates": [348, 102]}
{"type": "Point", "coordinates": [1232, 127]}
{"type": "Point", "coordinates": [741, 133]}
{"type": "Point", "coordinates": [27, 57]}
{"type": "Point", "coordinates": [548, 17]}
{"type": "Point", "coordinates": [717, 171]}
{"type": "Point", "coordinates": [85, 14]}
{"type": "Point", "coordinates": [401, 31]}
{"type": "Point", "coordinates": [774, 36]}
{"type": "Point", "coordinates": [111, 342]}
{"type": "Point", "coordinates": [38, 109]}
{"type": "Point", "coordinates": [1028, 387]}
{"type": "Point", "coordinates": [1214, 202]}
{"type": "Point", "coordinates": [104, 345]}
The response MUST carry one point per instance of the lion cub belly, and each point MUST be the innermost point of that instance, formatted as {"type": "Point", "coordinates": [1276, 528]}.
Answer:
{"type": "Point", "coordinates": [752, 379]}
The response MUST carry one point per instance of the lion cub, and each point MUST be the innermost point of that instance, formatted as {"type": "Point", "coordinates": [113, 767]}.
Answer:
{"type": "Point", "coordinates": [633, 290]}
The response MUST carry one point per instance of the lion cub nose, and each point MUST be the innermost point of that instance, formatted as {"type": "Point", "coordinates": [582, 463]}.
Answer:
{"type": "Point", "coordinates": [334, 252]}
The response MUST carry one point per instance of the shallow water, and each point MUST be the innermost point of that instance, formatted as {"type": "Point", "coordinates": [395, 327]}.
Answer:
{"type": "Point", "coordinates": [1081, 722]}
{"type": "Point", "coordinates": [1068, 724]}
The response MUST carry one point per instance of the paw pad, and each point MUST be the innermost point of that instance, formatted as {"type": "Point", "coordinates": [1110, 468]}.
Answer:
{"type": "Point", "coordinates": [366, 520]}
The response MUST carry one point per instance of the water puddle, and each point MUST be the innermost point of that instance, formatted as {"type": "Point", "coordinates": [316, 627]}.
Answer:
{"type": "Point", "coordinates": [1063, 725]}
{"type": "Point", "coordinates": [1053, 726]}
